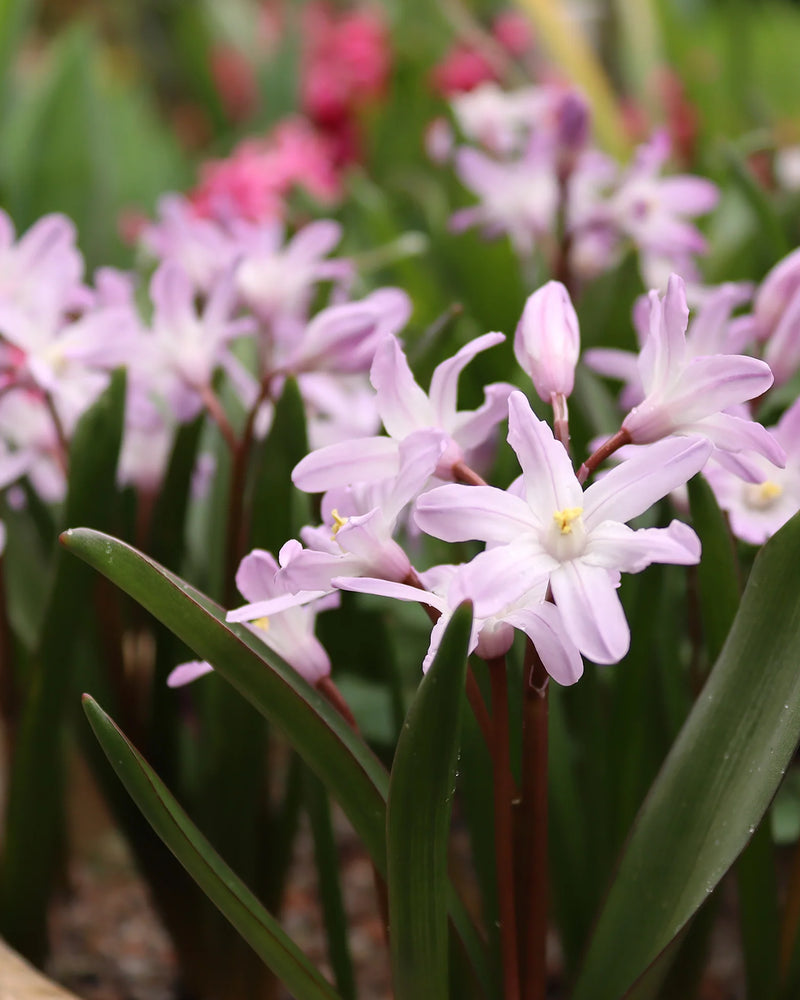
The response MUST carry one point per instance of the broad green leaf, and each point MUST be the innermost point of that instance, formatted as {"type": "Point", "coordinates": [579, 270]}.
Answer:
{"type": "Point", "coordinates": [716, 783]}
{"type": "Point", "coordinates": [34, 820]}
{"type": "Point", "coordinates": [351, 772]}
{"type": "Point", "coordinates": [256, 925]}
{"type": "Point", "coordinates": [316, 731]}
{"type": "Point", "coordinates": [718, 574]}
{"type": "Point", "coordinates": [418, 820]}
{"type": "Point", "coordinates": [326, 858]}
{"type": "Point", "coordinates": [278, 509]}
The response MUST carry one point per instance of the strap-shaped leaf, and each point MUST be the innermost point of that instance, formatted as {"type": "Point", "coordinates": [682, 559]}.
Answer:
{"type": "Point", "coordinates": [349, 769]}
{"type": "Point", "coordinates": [418, 820]}
{"type": "Point", "coordinates": [351, 772]}
{"type": "Point", "coordinates": [34, 820]}
{"type": "Point", "coordinates": [225, 889]}
{"type": "Point", "coordinates": [716, 783]}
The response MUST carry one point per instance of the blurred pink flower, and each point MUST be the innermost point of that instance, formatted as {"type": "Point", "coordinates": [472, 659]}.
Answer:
{"type": "Point", "coordinates": [346, 62]}
{"type": "Point", "coordinates": [461, 70]}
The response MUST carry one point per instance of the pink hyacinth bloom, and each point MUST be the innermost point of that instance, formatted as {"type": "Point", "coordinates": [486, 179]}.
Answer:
{"type": "Point", "coordinates": [547, 341]}
{"type": "Point", "coordinates": [654, 210]}
{"type": "Point", "coordinates": [686, 395]}
{"type": "Point", "coordinates": [576, 540]}
{"type": "Point", "coordinates": [776, 317]}
{"type": "Point", "coordinates": [360, 520]}
{"type": "Point", "coordinates": [711, 330]}
{"type": "Point", "coordinates": [187, 346]}
{"type": "Point", "coordinates": [518, 198]}
{"type": "Point", "coordinates": [757, 509]}
{"type": "Point", "coordinates": [405, 409]}
{"type": "Point", "coordinates": [346, 62]}
{"type": "Point", "coordinates": [462, 69]}
{"type": "Point", "coordinates": [491, 636]}
{"type": "Point", "coordinates": [281, 623]}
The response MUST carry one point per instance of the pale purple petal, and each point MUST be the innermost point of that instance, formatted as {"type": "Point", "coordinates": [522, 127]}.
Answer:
{"type": "Point", "coordinates": [388, 588]}
{"type": "Point", "coordinates": [664, 349]}
{"type": "Point", "coordinates": [591, 610]}
{"type": "Point", "coordinates": [458, 513]}
{"type": "Point", "coordinates": [713, 383]}
{"type": "Point", "coordinates": [636, 484]}
{"type": "Point", "coordinates": [731, 433]}
{"type": "Point", "coordinates": [444, 381]}
{"type": "Point", "coordinates": [545, 628]}
{"type": "Point", "coordinates": [185, 673]}
{"type": "Point", "coordinates": [550, 483]}
{"type": "Point", "coordinates": [361, 460]}
{"type": "Point", "coordinates": [473, 427]}
{"type": "Point", "coordinates": [616, 546]}
{"type": "Point", "coordinates": [402, 404]}
{"type": "Point", "coordinates": [255, 577]}
{"type": "Point", "coordinates": [500, 577]}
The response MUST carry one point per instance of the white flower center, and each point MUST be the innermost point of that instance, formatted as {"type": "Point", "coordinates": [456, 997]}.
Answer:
{"type": "Point", "coordinates": [566, 537]}
{"type": "Point", "coordinates": [760, 496]}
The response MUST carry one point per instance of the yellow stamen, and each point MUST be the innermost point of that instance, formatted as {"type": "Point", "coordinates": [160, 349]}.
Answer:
{"type": "Point", "coordinates": [565, 517]}
{"type": "Point", "coordinates": [763, 494]}
{"type": "Point", "coordinates": [262, 623]}
{"type": "Point", "coordinates": [338, 522]}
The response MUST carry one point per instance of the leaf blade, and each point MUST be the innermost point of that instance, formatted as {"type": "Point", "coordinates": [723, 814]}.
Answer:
{"type": "Point", "coordinates": [195, 853]}
{"type": "Point", "coordinates": [716, 783]}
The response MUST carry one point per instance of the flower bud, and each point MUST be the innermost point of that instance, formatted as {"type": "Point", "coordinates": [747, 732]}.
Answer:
{"type": "Point", "coordinates": [547, 341]}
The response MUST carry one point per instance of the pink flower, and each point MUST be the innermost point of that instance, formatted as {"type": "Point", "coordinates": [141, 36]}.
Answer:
{"type": "Point", "coordinates": [686, 395]}
{"type": "Point", "coordinates": [757, 509]}
{"type": "Point", "coordinates": [491, 636]}
{"type": "Point", "coordinates": [461, 70]}
{"type": "Point", "coordinates": [346, 62]}
{"type": "Point", "coordinates": [282, 623]}
{"type": "Point", "coordinates": [513, 31]}
{"type": "Point", "coordinates": [575, 540]}
{"type": "Point", "coordinates": [547, 341]}
{"type": "Point", "coordinates": [406, 410]}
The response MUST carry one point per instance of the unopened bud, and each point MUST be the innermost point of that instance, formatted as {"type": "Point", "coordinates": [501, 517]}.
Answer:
{"type": "Point", "coordinates": [547, 341]}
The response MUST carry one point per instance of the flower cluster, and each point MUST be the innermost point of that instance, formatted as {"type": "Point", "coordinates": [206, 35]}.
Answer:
{"type": "Point", "coordinates": [555, 548]}
{"type": "Point", "coordinates": [534, 171]}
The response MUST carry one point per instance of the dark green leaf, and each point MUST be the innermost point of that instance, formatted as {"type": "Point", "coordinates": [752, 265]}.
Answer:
{"type": "Point", "coordinates": [223, 887]}
{"type": "Point", "coordinates": [418, 820]}
{"type": "Point", "coordinates": [716, 783]}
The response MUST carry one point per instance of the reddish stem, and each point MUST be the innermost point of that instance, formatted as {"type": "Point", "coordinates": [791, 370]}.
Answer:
{"type": "Point", "coordinates": [561, 418]}
{"type": "Point", "coordinates": [622, 437]}
{"type": "Point", "coordinates": [532, 858]}
{"type": "Point", "coordinates": [504, 828]}
{"type": "Point", "coordinates": [220, 417]}
{"type": "Point", "coordinates": [464, 474]}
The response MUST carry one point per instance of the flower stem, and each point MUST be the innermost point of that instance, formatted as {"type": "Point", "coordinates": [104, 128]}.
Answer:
{"type": "Point", "coordinates": [561, 419]}
{"type": "Point", "coordinates": [504, 828]}
{"type": "Point", "coordinates": [236, 529]}
{"type": "Point", "coordinates": [622, 437]}
{"type": "Point", "coordinates": [219, 416]}
{"type": "Point", "coordinates": [532, 865]}
{"type": "Point", "coordinates": [464, 474]}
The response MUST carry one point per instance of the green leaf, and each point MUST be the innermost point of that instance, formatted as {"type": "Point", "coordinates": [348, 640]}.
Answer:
{"type": "Point", "coordinates": [716, 783]}
{"type": "Point", "coordinates": [326, 857]}
{"type": "Point", "coordinates": [34, 821]}
{"type": "Point", "coordinates": [281, 695]}
{"type": "Point", "coordinates": [718, 574]}
{"type": "Point", "coordinates": [418, 820]}
{"type": "Point", "coordinates": [278, 508]}
{"type": "Point", "coordinates": [351, 772]}
{"type": "Point", "coordinates": [198, 857]}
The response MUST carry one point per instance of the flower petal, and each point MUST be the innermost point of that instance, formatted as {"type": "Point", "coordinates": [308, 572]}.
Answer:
{"type": "Point", "coordinates": [616, 546]}
{"type": "Point", "coordinates": [402, 404]}
{"type": "Point", "coordinates": [458, 513]}
{"type": "Point", "coordinates": [544, 627]}
{"type": "Point", "coordinates": [550, 483]}
{"type": "Point", "coordinates": [591, 611]}
{"type": "Point", "coordinates": [346, 462]}
{"type": "Point", "coordinates": [650, 474]}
